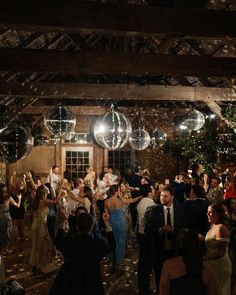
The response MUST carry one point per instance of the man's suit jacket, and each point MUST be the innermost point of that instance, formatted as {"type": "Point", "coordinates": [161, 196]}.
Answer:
{"type": "Point", "coordinates": [80, 273]}
{"type": "Point", "coordinates": [155, 220]}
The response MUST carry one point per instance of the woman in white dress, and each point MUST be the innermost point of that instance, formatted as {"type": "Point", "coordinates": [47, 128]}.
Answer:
{"type": "Point", "coordinates": [217, 240]}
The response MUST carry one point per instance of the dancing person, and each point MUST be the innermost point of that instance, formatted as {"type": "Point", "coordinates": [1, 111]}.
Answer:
{"type": "Point", "coordinates": [80, 273]}
{"type": "Point", "coordinates": [17, 213]}
{"type": "Point", "coordinates": [42, 248]}
{"type": "Point", "coordinates": [217, 240]}
{"type": "Point", "coordinates": [5, 217]}
{"type": "Point", "coordinates": [114, 207]}
{"type": "Point", "coordinates": [215, 193]}
{"type": "Point", "coordinates": [195, 210]}
{"type": "Point", "coordinates": [162, 225]}
{"type": "Point", "coordinates": [145, 259]}
{"type": "Point", "coordinates": [187, 273]}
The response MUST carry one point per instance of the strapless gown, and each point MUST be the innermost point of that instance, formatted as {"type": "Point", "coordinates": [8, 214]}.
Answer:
{"type": "Point", "coordinates": [117, 220]}
{"type": "Point", "coordinates": [221, 267]}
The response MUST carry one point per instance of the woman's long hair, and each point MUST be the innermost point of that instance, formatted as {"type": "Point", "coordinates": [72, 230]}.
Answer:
{"type": "Point", "coordinates": [113, 189]}
{"type": "Point", "coordinates": [220, 210]}
{"type": "Point", "coordinates": [190, 248]}
{"type": "Point", "coordinates": [40, 193]}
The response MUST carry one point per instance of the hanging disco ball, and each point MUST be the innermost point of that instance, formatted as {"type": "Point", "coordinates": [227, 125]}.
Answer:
{"type": "Point", "coordinates": [112, 130]}
{"type": "Point", "coordinates": [98, 131]}
{"type": "Point", "coordinates": [139, 139]}
{"type": "Point", "coordinates": [60, 121]}
{"type": "Point", "coordinates": [69, 136]}
{"type": "Point", "coordinates": [195, 120]}
{"type": "Point", "coordinates": [158, 138]}
{"type": "Point", "coordinates": [15, 144]}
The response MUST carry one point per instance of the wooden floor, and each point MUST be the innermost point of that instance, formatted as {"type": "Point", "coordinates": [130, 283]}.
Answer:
{"type": "Point", "coordinates": [17, 267]}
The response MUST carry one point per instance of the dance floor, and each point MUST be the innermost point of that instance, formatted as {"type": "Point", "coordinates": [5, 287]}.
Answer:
{"type": "Point", "coordinates": [17, 267]}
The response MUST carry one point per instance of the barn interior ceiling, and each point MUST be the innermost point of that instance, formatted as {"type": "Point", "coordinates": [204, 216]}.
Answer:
{"type": "Point", "coordinates": [174, 54]}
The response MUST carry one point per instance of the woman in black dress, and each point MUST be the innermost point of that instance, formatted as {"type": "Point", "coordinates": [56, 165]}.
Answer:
{"type": "Point", "coordinates": [186, 273]}
{"type": "Point", "coordinates": [17, 214]}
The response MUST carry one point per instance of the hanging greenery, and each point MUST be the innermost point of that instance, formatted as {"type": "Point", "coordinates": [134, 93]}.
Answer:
{"type": "Point", "coordinates": [230, 114]}
{"type": "Point", "coordinates": [206, 147]}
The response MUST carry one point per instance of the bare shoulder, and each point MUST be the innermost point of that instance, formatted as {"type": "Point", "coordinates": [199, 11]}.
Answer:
{"type": "Point", "coordinates": [171, 263]}
{"type": "Point", "coordinates": [221, 231]}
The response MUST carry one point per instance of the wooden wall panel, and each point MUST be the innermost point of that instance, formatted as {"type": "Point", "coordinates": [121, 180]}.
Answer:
{"type": "Point", "coordinates": [40, 160]}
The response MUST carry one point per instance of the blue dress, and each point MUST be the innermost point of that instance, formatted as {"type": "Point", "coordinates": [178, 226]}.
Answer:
{"type": "Point", "coordinates": [117, 220]}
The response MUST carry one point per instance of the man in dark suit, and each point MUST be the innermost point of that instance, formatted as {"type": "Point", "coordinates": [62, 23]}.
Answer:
{"type": "Point", "coordinates": [80, 273]}
{"type": "Point", "coordinates": [162, 224]}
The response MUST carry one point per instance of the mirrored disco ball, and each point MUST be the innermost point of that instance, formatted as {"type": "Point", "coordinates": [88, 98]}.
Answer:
{"type": "Point", "coordinates": [69, 136]}
{"type": "Point", "coordinates": [60, 121]}
{"type": "Point", "coordinates": [15, 144]}
{"type": "Point", "coordinates": [112, 130]}
{"type": "Point", "coordinates": [158, 138]}
{"type": "Point", "coordinates": [98, 131]}
{"type": "Point", "coordinates": [139, 139]}
{"type": "Point", "coordinates": [195, 120]}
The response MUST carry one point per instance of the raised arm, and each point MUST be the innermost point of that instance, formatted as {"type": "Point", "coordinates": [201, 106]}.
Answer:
{"type": "Point", "coordinates": [129, 201]}
{"type": "Point", "coordinates": [31, 181]}
{"type": "Point", "coordinates": [15, 204]}
{"type": "Point", "coordinates": [76, 198]}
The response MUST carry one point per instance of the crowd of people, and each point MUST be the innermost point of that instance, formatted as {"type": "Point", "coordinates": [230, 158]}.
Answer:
{"type": "Point", "coordinates": [184, 233]}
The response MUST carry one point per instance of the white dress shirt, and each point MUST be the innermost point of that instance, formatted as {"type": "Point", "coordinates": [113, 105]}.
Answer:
{"type": "Point", "coordinates": [141, 208]}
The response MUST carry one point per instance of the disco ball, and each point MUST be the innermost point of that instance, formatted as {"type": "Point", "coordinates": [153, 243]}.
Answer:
{"type": "Point", "coordinates": [158, 138]}
{"type": "Point", "coordinates": [195, 120]}
{"type": "Point", "coordinates": [60, 121]}
{"type": "Point", "coordinates": [15, 144]}
{"type": "Point", "coordinates": [69, 136]}
{"type": "Point", "coordinates": [139, 139]}
{"type": "Point", "coordinates": [112, 130]}
{"type": "Point", "coordinates": [98, 131]}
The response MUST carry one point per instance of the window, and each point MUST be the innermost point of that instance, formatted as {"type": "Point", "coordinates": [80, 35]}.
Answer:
{"type": "Point", "coordinates": [120, 160]}
{"type": "Point", "coordinates": [76, 160]}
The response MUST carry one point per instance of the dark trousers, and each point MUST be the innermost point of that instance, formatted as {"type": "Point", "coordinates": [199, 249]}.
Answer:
{"type": "Point", "coordinates": [134, 215]}
{"type": "Point", "coordinates": [51, 224]}
{"type": "Point", "coordinates": [144, 262]}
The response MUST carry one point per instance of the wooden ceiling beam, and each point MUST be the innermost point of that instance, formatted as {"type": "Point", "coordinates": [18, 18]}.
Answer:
{"type": "Point", "coordinates": [36, 110]}
{"type": "Point", "coordinates": [109, 18]}
{"type": "Point", "coordinates": [100, 92]}
{"type": "Point", "coordinates": [115, 63]}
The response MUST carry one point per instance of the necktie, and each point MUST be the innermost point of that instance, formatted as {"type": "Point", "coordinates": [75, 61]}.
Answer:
{"type": "Point", "coordinates": [169, 235]}
{"type": "Point", "coordinates": [168, 217]}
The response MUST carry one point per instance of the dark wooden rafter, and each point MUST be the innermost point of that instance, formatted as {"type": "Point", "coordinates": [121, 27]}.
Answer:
{"type": "Point", "coordinates": [39, 111]}
{"type": "Point", "coordinates": [197, 49]}
{"type": "Point", "coordinates": [128, 92]}
{"type": "Point", "coordinates": [30, 40]}
{"type": "Point", "coordinates": [107, 18]}
{"type": "Point", "coordinates": [15, 110]}
{"type": "Point", "coordinates": [115, 63]}
{"type": "Point", "coordinates": [166, 44]}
